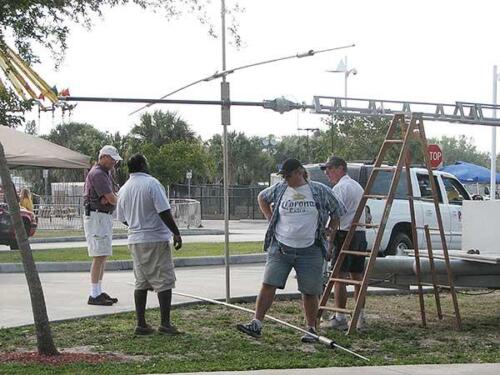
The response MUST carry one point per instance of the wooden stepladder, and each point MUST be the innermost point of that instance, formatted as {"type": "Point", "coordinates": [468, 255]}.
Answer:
{"type": "Point", "coordinates": [414, 129]}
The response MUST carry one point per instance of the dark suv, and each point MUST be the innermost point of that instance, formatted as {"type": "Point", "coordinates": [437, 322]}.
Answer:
{"type": "Point", "coordinates": [7, 234]}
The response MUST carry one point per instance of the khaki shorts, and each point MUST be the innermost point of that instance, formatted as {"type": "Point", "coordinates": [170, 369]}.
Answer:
{"type": "Point", "coordinates": [98, 229]}
{"type": "Point", "coordinates": [153, 266]}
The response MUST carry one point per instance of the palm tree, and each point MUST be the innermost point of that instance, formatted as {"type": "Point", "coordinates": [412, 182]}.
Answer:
{"type": "Point", "coordinates": [162, 128]}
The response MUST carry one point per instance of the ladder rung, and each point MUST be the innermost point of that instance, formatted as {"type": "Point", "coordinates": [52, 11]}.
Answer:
{"type": "Point", "coordinates": [336, 309]}
{"type": "Point", "coordinates": [393, 141]}
{"type": "Point", "coordinates": [366, 225]}
{"type": "Point", "coordinates": [347, 281]}
{"type": "Point", "coordinates": [357, 253]}
{"type": "Point", "coordinates": [389, 169]}
{"type": "Point", "coordinates": [374, 196]}
{"type": "Point", "coordinates": [446, 315]}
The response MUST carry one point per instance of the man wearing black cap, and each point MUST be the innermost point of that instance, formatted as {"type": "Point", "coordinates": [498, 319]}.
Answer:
{"type": "Point", "coordinates": [298, 212]}
{"type": "Point", "coordinates": [350, 193]}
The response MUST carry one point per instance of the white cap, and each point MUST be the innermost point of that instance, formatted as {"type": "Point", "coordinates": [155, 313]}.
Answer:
{"type": "Point", "coordinates": [111, 151]}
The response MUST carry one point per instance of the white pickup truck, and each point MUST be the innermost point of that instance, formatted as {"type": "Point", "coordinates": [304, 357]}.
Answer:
{"type": "Point", "coordinates": [397, 235]}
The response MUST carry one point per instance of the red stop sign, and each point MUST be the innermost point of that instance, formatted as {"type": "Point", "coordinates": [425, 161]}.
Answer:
{"type": "Point", "coordinates": [435, 156]}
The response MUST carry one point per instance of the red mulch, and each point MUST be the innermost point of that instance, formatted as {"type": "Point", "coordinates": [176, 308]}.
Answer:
{"type": "Point", "coordinates": [61, 359]}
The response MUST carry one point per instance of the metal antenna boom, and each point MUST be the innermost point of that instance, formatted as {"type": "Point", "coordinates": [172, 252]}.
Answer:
{"type": "Point", "coordinates": [229, 71]}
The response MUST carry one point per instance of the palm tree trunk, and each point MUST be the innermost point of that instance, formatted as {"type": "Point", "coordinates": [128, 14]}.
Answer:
{"type": "Point", "coordinates": [45, 343]}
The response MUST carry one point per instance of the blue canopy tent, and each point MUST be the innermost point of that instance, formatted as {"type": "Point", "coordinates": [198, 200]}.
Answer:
{"type": "Point", "coordinates": [468, 173]}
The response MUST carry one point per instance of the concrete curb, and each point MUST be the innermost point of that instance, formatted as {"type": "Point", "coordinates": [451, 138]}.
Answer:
{"type": "Point", "coordinates": [123, 236]}
{"type": "Point", "coordinates": [125, 265]}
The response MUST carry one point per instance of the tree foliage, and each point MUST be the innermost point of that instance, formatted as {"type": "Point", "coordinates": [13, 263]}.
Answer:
{"type": "Point", "coordinates": [46, 22]}
{"type": "Point", "coordinates": [169, 163]}
{"type": "Point", "coordinates": [248, 163]}
{"type": "Point", "coordinates": [461, 148]}
{"type": "Point", "coordinates": [12, 108]}
{"type": "Point", "coordinates": [160, 128]}
{"type": "Point", "coordinates": [80, 137]}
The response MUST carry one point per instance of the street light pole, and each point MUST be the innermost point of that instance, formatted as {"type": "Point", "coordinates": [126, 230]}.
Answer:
{"type": "Point", "coordinates": [342, 67]}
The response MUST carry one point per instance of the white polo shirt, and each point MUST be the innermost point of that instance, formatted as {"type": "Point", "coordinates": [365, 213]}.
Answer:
{"type": "Point", "coordinates": [140, 201]}
{"type": "Point", "coordinates": [350, 192]}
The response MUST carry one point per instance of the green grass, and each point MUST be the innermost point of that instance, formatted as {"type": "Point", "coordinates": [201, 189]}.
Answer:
{"type": "Point", "coordinates": [211, 342]}
{"type": "Point", "coordinates": [122, 253]}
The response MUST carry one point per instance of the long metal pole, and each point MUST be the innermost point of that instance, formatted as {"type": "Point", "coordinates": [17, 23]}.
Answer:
{"type": "Point", "coordinates": [346, 75]}
{"type": "Point", "coordinates": [493, 174]}
{"type": "Point", "coordinates": [322, 339]}
{"type": "Point", "coordinates": [226, 120]}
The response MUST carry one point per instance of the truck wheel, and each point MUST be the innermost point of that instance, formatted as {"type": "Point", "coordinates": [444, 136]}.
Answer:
{"type": "Point", "coordinates": [399, 243]}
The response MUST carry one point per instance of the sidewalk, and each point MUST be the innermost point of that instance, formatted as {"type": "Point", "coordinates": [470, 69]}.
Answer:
{"type": "Point", "coordinates": [66, 293]}
{"type": "Point", "coordinates": [455, 369]}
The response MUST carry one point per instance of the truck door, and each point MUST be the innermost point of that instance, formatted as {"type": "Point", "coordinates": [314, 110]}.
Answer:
{"type": "Point", "coordinates": [429, 211]}
{"type": "Point", "coordinates": [455, 194]}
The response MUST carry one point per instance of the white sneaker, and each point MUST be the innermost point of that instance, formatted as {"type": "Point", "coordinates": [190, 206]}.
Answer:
{"type": "Point", "coordinates": [340, 325]}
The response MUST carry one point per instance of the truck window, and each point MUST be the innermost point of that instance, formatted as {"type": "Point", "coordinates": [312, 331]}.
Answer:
{"type": "Point", "coordinates": [425, 187]}
{"type": "Point", "coordinates": [316, 174]}
{"type": "Point", "coordinates": [383, 183]}
{"type": "Point", "coordinates": [454, 191]}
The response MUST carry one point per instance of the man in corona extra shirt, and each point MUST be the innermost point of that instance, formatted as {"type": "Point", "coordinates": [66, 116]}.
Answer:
{"type": "Point", "coordinates": [298, 212]}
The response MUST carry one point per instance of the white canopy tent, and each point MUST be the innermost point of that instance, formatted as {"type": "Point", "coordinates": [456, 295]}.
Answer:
{"type": "Point", "coordinates": [24, 150]}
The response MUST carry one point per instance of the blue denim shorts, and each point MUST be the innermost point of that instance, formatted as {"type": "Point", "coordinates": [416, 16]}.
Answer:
{"type": "Point", "coordinates": [307, 262]}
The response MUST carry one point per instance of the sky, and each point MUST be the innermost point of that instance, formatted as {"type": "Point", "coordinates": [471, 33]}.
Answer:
{"type": "Point", "coordinates": [434, 51]}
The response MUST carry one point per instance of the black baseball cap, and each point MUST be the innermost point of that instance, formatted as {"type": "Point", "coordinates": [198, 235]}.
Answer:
{"type": "Point", "coordinates": [333, 161]}
{"type": "Point", "coordinates": [289, 165]}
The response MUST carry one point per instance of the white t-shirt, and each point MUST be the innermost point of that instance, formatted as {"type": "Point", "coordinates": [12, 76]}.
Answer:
{"type": "Point", "coordinates": [350, 192]}
{"type": "Point", "coordinates": [298, 217]}
{"type": "Point", "coordinates": [140, 201]}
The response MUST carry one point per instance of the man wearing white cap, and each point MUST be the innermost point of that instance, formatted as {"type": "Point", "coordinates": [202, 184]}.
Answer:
{"type": "Point", "coordinates": [100, 202]}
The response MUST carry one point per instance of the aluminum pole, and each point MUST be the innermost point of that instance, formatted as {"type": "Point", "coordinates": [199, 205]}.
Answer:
{"type": "Point", "coordinates": [346, 75]}
{"type": "Point", "coordinates": [325, 340]}
{"type": "Point", "coordinates": [226, 120]}
{"type": "Point", "coordinates": [493, 174]}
